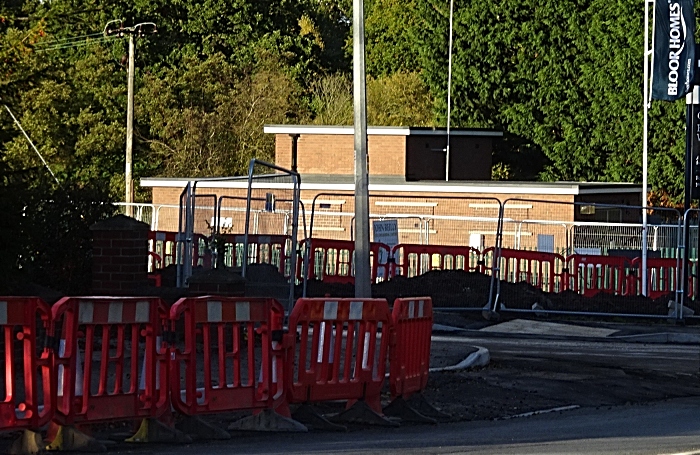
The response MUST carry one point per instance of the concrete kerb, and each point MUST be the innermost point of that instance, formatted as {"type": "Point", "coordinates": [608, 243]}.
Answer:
{"type": "Point", "coordinates": [661, 337]}
{"type": "Point", "coordinates": [479, 358]}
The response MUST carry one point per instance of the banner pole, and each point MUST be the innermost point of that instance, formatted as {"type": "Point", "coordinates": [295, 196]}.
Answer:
{"type": "Point", "coordinates": [645, 146]}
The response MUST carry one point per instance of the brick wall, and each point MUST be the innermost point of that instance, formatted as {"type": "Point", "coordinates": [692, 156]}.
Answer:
{"type": "Point", "coordinates": [478, 212]}
{"type": "Point", "coordinates": [334, 154]}
{"type": "Point", "coordinates": [119, 256]}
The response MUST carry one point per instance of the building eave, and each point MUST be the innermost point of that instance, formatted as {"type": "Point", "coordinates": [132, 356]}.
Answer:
{"type": "Point", "coordinates": [377, 131]}
{"type": "Point", "coordinates": [558, 188]}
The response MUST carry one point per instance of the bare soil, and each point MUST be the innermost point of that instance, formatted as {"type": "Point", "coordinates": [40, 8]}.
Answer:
{"type": "Point", "coordinates": [505, 389]}
{"type": "Point", "coordinates": [470, 290]}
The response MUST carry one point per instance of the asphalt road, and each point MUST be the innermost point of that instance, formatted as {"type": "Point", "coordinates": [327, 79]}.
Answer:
{"type": "Point", "coordinates": [670, 427]}
{"type": "Point", "coordinates": [660, 427]}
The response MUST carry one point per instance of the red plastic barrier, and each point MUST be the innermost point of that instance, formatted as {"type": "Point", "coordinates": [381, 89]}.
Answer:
{"type": "Point", "coordinates": [591, 274]}
{"type": "Point", "coordinates": [27, 379]}
{"type": "Point", "coordinates": [663, 277]}
{"type": "Point", "coordinates": [546, 271]}
{"type": "Point", "coordinates": [262, 249]}
{"type": "Point", "coordinates": [111, 363]}
{"type": "Point", "coordinates": [164, 245]}
{"type": "Point", "coordinates": [412, 260]}
{"type": "Point", "coordinates": [240, 358]}
{"type": "Point", "coordinates": [331, 261]}
{"type": "Point", "coordinates": [340, 353]}
{"type": "Point", "coordinates": [155, 264]}
{"type": "Point", "coordinates": [410, 359]}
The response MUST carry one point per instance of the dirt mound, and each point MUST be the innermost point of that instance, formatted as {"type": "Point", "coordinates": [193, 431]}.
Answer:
{"type": "Point", "coordinates": [470, 290]}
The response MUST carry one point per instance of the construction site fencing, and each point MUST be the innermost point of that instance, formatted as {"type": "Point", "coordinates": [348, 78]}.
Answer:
{"type": "Point", "coordinates": [231, 357]}
{"type": "Point", "coordinates": [423, 220]}
{"type": "Point", "coordinates": [543, 270]}
{"type": "Point", "coordinates": [548, 255]}
{"type": "Point", "coordinates": [333, 261]}
{"type": "Point", "coordinates": [119, 359]}
{"type": "Point", "coordinates": [558, 233]}
{"type": "Point", "coordinates": [689, 273]}
{"type": "Point", "coordinates": [413, 260]}
{"type": "Point", "coordinates": [112, 362]}
{"type": "Point", "coordinates": [267, 203]}
{"type": "Point", "coordinates": [410, 360]}
{"type": "Point", "coordinates": [338, 350]}
{"type": "Point", "coordinates": [163, 247]}
{"type": "Point", "coordinates": [275, 250]}
{"type": "Point", "coordinates": [27, 375]}
{"type": "Point", "coordinates": [663, 277]}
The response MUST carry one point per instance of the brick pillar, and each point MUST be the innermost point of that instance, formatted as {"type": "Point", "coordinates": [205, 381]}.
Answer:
{"type": "Point", "coordinates": [119, 256]}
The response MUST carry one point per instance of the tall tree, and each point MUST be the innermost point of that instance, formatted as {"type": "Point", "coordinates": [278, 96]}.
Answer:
{"type": "Point", "coordinates": [564, 77]}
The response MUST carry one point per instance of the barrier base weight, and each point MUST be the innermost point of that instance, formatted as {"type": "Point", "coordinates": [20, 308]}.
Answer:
{"type": "Point", "coordinates": [152, 430]}
{"type": "Point", "coordinates": [420, 404]}
{"type": "Point", "coordinates": [362, 413]}
{"type": "Point", "coordinates": [27, 443]}
{"type": "Point", "coordinates": [401, 409]}
{"type": "Point", "coordinates": [267, 420]}
{"type": "Point", "coordinates": [201, 429]}
{"type": "Point", "coordinates": [71, 439]}
{"type": "Point", "coordinates": [315, 421]}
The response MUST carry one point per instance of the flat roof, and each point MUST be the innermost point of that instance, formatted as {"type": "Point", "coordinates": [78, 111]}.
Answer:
{"type": "Point", "coordinates": [325, 182]}
{"type": "Point", "coordinates": [380, 130]}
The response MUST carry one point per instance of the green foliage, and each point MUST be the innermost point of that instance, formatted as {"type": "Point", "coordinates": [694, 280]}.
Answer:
{"type": "Point", "coordinates": [206, 119]}
{"type": "Point", "coordinates": [390, 42]}
{"type": "Point", "coordinates": [46, 235]}
{"type": "Point", "coordinates": [562, 78]}
{"type": "Point", "coordinates": [397, 100]}
{"type": "Point", "coordinates": [400, 99]}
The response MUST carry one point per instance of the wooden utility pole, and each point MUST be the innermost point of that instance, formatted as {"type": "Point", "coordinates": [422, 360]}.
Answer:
{"type": "Point", "coordinates": [128, 179]}
{"type": "Point", "coordinates": [137, 30]}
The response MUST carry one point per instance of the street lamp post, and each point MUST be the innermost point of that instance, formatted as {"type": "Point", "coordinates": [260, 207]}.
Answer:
{"type": "Point", "coordinates": [363, 286]}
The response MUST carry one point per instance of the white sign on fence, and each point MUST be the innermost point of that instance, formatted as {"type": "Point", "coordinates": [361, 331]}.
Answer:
{"type": "Point", "coordinates": [386, 232]}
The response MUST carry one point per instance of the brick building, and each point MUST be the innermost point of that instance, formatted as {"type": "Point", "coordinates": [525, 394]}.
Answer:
{"type": "Point", "coordinates": [407, 169]}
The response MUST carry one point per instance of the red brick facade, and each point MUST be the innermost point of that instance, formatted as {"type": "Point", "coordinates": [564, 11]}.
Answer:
{"type": "Point", "coordinates": [459, 212]}
{"type": "Point", "coordinates": [333, 154]}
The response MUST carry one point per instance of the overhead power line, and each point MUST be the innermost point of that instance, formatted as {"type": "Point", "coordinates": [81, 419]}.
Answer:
{"type": "Point", "coordinates": [68, 39]}
{"type": "Point", "coordinates": [74, 44]}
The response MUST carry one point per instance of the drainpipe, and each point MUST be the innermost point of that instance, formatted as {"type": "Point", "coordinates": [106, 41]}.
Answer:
{"type": "Point", "coordinates": [295, 140]}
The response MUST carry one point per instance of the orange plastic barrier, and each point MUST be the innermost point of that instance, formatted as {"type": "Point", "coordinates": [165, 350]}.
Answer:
{"type": "Point", "coordinates": [412, 260]}
{"type": "Point", "coordinates": [546, 271]}
{"type": "Point", "coordinates": [240, 358]}
{"type": "Point", "coordinates": [164, 246]}
{"type": "Point", "coordinates": [111, 362]}
{"type": "Point", "coordinates": [591, 274]}
{"type": "Point", "coordinates": [262, 249]}
{"type": "Point", "coordinates": [340, 353]}
{"type": "Point", "coordinates": [27, 382]}
{"type": "Point", "coordinates": [331, 261]}
{"type": "Point", "coordinates": [410, 359]}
